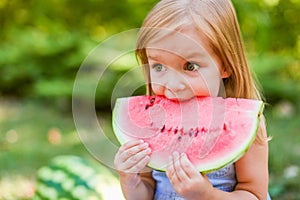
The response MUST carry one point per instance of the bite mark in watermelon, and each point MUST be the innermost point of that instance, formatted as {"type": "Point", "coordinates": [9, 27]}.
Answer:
{"type": "Point", "coordinates": [212, 131]}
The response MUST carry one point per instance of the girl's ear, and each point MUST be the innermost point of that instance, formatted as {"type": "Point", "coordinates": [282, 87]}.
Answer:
{"type": "Point", "coordinates": [225, 73]}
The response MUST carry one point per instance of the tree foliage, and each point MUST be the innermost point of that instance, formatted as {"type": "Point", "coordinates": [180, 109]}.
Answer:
{"type": "Point", "coordinates": [43, 43]}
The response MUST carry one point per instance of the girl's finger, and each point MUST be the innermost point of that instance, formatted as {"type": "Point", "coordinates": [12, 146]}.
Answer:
{"type": "Point", "coordinates": [171, 171]}
{"type": "Point", "coordinates": [170, 168]}
{"type": "Point", "coordinates": [135, 160]}
{"type": "Point", "coordinates": [126, 151]}
{"type": "Point", "coordinates": [188, 167]}
{"type": "Point", "coordinates": [130, 144]}
{"type": "Point", "coordinates": [132, 150]}
{"type": "Point", "coordinates": [179, 168]}
{"type": "Point", "coordinates": [120, 154]}
{"type": "Point", "coordinates": [140, 165]}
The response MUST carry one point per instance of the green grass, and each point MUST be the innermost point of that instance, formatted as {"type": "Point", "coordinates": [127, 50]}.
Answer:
{"type": "Point", "coordinates": [26, 145]}
{"type": "Point", "coordinates": [284, 153]}
{"type": "Point", "coordinates": [31, 133]}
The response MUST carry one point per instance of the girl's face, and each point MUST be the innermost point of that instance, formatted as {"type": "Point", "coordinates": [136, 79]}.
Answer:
{"type": "Point", "coordinates": [182, 66]}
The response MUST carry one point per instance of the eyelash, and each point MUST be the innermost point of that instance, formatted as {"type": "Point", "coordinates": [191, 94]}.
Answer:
{"type": "Point", "coordinates": [159, 67]}
{"type": "Point", "coordinates": [196, 67]}
{"type": "Point", "coordinates": [155, 67]}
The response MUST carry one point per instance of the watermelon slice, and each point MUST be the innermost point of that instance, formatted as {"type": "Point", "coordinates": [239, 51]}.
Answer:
{"type": "Point", "coordinates": [212, 131]}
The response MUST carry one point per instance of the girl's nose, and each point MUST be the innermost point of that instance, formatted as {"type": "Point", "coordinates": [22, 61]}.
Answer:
{"type": "Point", "coordinates": [175, 81]}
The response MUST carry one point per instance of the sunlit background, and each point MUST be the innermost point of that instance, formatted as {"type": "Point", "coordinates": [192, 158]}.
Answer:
{"type": "Point", "coordinates": [43, 43]}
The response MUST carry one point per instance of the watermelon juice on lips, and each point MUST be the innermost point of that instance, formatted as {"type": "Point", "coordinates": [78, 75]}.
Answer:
{"type": "Point", "coordinates": [212, 131]}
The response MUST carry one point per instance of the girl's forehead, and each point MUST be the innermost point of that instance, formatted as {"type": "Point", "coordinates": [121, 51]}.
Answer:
{"type": "Point", "coordinates": [187, 43]}
{"type": "Point", "coordinates": [162, 54]}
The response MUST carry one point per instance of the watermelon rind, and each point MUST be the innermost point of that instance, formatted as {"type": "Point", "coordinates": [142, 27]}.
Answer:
{"type": "Point", "coordinates": [74, 177]}
{"type": "Point", "coordinates": [204, 167]}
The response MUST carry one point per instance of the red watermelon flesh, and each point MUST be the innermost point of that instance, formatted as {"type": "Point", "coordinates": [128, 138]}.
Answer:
{"type": "Point", "coordinates": [212, 131]}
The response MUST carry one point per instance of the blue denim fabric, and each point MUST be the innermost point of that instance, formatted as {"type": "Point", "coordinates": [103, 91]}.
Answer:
{"type": "Point", "coordinates": [223, 179]}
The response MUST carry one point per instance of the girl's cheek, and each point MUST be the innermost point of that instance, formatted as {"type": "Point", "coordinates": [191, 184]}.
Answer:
{"type": "Point", "coordinates": [157, 84]}
{"type": "Point", "coordinates": [157, 89]}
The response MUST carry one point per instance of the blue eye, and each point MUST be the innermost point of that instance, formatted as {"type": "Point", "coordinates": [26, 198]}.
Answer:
{"type": "Point", "coordinates": [189, 66]}
{"type": "Point", "coordinates": [158, 67]}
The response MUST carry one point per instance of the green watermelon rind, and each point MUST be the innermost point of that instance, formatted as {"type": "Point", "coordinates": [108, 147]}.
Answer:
{"type": "Point", "coordinates": [86, 177]}
{"type": "Point", "coordinates": [213, 167]}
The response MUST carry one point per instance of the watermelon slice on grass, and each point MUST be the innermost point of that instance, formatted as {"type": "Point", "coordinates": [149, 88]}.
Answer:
{"type": "Point", "coordinates": [212, 131]}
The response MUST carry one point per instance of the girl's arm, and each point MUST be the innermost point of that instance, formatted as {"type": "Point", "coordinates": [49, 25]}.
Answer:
{"type": "Point", "coordinates": [252, 171]}
{"type": "Point", "coordinates": [137, 186]}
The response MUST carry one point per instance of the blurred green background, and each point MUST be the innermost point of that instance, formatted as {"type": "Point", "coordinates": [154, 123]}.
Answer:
{"type": "Point", "coordinates": [43, 43]}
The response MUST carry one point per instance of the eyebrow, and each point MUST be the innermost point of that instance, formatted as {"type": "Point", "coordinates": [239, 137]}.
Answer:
{"type": "Point", "coordinates": [189, 56]}
{"type": "Point", "coordinates": [154, 56]}
{"type": "Point", "coordinates": [195, 54]}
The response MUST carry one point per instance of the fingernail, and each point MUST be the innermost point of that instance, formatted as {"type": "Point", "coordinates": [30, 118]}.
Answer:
{"type": "Point", "coordinates": [148, 150]}
{"type": "Point", "coordinates": [144, 145]}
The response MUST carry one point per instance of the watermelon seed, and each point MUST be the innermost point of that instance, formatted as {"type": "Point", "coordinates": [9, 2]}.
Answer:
{"type": "Point", "coordinates": [203, 130]}
{"type": "Point", "coordinates": [196, 132]}
{"type": "Point", "coordinates": [179, 138]}
{"type": "Point", "coordinates": [152, 101]}
{"type": "Point", "coordinates": [163, 128]}
{"type": "Point", "coordinates": [181, 131]}
{"type": "Point", "coordinates": [191, 132]}
{"type": "Point", "coordinates": [175, 130]}
{"type": "Point", "coordinates": [225, 128]}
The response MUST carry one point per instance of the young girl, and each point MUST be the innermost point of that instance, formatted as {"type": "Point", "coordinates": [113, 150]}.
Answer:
{"type": "Point", "coordinates": [193, 48]}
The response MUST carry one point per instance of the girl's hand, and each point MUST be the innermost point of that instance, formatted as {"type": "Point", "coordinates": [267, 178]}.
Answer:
{"type": "Point", "coordinates": [186, 180]}
{"type": "Point", "coordinates": [130, 160]}
{"type": "Point", "coordinates": [132, 157]}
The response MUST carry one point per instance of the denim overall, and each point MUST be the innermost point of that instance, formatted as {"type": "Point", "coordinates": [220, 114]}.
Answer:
{"type": "Point", "coordinates": [223, 179]}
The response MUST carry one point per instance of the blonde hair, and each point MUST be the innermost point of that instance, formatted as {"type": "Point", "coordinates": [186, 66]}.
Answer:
{"type": "Point", "coordinates": [217, 20]}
